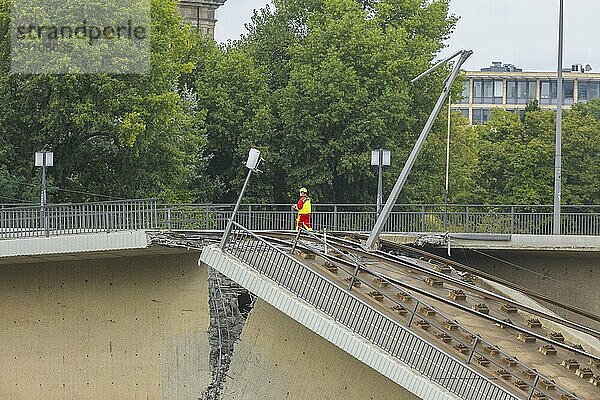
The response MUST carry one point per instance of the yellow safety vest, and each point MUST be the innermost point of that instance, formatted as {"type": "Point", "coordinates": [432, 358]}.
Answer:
{"type": "Point", "coordinates": [306, 207]}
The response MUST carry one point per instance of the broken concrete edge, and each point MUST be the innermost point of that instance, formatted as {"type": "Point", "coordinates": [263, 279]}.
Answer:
{"type": "Point", "coordinates": [320, 323]}
{"type": "Point", "coordinates": [493, 241]}
{"type": "Point", "coordinates": [592, 343]}
{"type": "Point", "coordinates": [226, 324]}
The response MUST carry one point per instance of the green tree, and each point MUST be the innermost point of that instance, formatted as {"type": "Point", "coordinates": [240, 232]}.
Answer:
{"type": "Point", "coordinates": [581, 154]}
{"type": "Point", "coordinates": [117, 135]}
{"type": "Point", "coordinates": [339, 76]}
{"type": "Point", "coordinates": [515, 158]}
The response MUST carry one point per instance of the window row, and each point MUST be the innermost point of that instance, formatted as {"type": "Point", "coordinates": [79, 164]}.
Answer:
{"type": "Point", "coordinates": [523, 91]}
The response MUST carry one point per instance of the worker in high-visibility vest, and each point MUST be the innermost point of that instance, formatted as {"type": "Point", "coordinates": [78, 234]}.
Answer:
{"type": "Point", "coordinates": [304, 209]}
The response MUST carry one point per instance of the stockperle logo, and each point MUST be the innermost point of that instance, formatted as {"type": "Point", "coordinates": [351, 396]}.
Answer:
{"type": "Point", "coordinates": [77, 36]}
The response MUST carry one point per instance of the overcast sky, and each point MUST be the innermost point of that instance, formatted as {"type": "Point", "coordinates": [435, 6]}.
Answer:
{"type": "Point", "coordinates": [520, 32]}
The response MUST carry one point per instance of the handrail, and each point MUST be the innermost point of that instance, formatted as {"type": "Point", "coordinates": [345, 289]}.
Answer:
{"type": "Point", "coordinates": [59, 219]}
{"type": "Point", "coordinates": [363, 319]}
{"type": "Point", "coordinates": [68, 219]}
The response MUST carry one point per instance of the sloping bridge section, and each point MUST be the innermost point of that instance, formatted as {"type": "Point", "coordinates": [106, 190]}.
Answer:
{"type": "Point", "coordinates": [404, 327]}
{"type": "Point", "coordinates": [330, 329]}
{"type": "Point", "coordinates": [348, 322]}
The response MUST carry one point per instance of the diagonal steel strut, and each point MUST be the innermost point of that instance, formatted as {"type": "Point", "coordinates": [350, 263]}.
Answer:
{"type": "Point", "coordinates": [387, 209]}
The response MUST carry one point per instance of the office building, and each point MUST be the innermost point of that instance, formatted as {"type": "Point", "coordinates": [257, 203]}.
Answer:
{"type": "Point", "coordinates": [510, 88]}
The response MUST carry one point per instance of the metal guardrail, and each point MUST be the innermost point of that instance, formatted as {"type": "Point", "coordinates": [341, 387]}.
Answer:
{"type": "Point", "coordinates": [60, 219]}
{"type": "Point", "coordinates": [405, 218]}
{"type": "Point", "coordinates": [67, 219]}
{"type": "Point", "coordinates": [363, 319]}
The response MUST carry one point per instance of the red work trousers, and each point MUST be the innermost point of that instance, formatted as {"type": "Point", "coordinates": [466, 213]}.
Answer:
{"type": "Point", "coordinates": [303, 220]}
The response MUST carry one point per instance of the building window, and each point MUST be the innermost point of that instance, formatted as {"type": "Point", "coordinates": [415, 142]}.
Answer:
{"type": "Point", "coordinates": [521, 92]}
{"type": "Point", "coordinates": [498, 86]}
{"type": "Point", "coordinates": [511, 92]}
{"type": "Point", "coordinates": [531, 90]}
{"type": "Point", "coordinates": [568, 91]}
{"type": "Point", "coordinates": [476, 116]}
{"type": "Point", "coordinates": [464, 96]}
{"type": "Point", "coordinates": [594, 91]}
{"type": "Point", "coordinates": [545, 93]}
{"type": "Point", "coordinates": [488, 92]}
{"type": "Point", "coordinates": [481, 115]}
{"type": "Point", "coordinates": [465, 112]}
{"type": "Point", "coordinates": [548, 92]}
{"type": "Point", "coordinates": [486, 114]}
{"type": "Point", "coordinates": [477, 91]}
{"type": "Point", "coordinates": [582, 90]}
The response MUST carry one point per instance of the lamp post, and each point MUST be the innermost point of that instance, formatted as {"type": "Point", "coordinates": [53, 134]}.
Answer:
{"type": "Point", "coordinates": [44, 159]}
{"type": "Point", "coordinates": [252, 165]}
{"type": "Point", "coordinates": [559, 106]}
{"type": "Point", "coordinates": [380, 158]}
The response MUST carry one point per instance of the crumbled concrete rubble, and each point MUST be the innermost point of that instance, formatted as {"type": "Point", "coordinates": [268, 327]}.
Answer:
{"type": "Point", "coordinates": [229, 307]}
{"type": "Point", "coordinates": [431, 240]}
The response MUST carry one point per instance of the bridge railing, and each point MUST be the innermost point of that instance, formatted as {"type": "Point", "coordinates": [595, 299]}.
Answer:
{"type": "Point", "coordinates": [65, 219]}
{"type": "Point", "coordinates": [500, 219]}
{"type": "Point", "coordinates": [362, 318]}
{"type": "Point", "coordinates": [60, 219]}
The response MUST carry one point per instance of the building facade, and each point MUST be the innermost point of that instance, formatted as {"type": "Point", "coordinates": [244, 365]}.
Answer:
{"type": "Point", "coordinates": [510, 88]}
{"type": "Point", "coordinates": [201, 14]}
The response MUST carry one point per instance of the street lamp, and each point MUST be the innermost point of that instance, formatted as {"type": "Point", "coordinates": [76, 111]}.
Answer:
{"type": "Point", "coordinates": [559, 106]}
{"type": "Point", "coordinates": [252, 164]}
{"type": "Point", "coordinates": [380, 158]}
{"type": "Point", "coordinates": [44, 159]}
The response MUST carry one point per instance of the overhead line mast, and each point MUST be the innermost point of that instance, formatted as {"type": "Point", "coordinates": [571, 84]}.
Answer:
{"type": "Point", "coordinates": [387, 209]}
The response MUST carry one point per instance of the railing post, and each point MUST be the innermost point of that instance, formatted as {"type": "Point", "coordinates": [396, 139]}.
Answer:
{"type": "Point", "coordinates": [106, 218]}
{"type": "Point", "coordinates": [535, 382]}
{"type": "Point", "coordinates": [293, 219]}
{"type": "Point", "coordinates": [512, 220]}
{"type": "Point", "coordinates": [353, 278]}
{"type": "Point", "coordinates": [422, 218]}
{"type": "Point", "coordinates": [155, 206]}
{"type": "Point", "coordinates": [206, 214]}
{"type": "Point", "coordinates": [467, 219]}
{"type": "Point", "coordinates": [169, 218]}
{"type": "Point", "coordinates": [296, 241]}
{"type": "Point", "coordinates": [46, 220]}
{"type": "Point", "coordinates": [335, 218]}
{"type": "Point", "coordinates": [250, 218]}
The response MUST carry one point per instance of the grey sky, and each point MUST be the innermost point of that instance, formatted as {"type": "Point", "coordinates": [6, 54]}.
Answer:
{"type": "Point", "coordinates": [521, 32]}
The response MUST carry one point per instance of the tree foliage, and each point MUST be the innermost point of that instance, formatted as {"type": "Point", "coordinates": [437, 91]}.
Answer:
{"type": "Point", "coordinates": [516, 157]}
{"type": "Point", "coordinates": [315, 85]}
{"type": "Point", "coordinates": [337, 75]}
{"type": "Point", "coordinates": [117, 135]}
